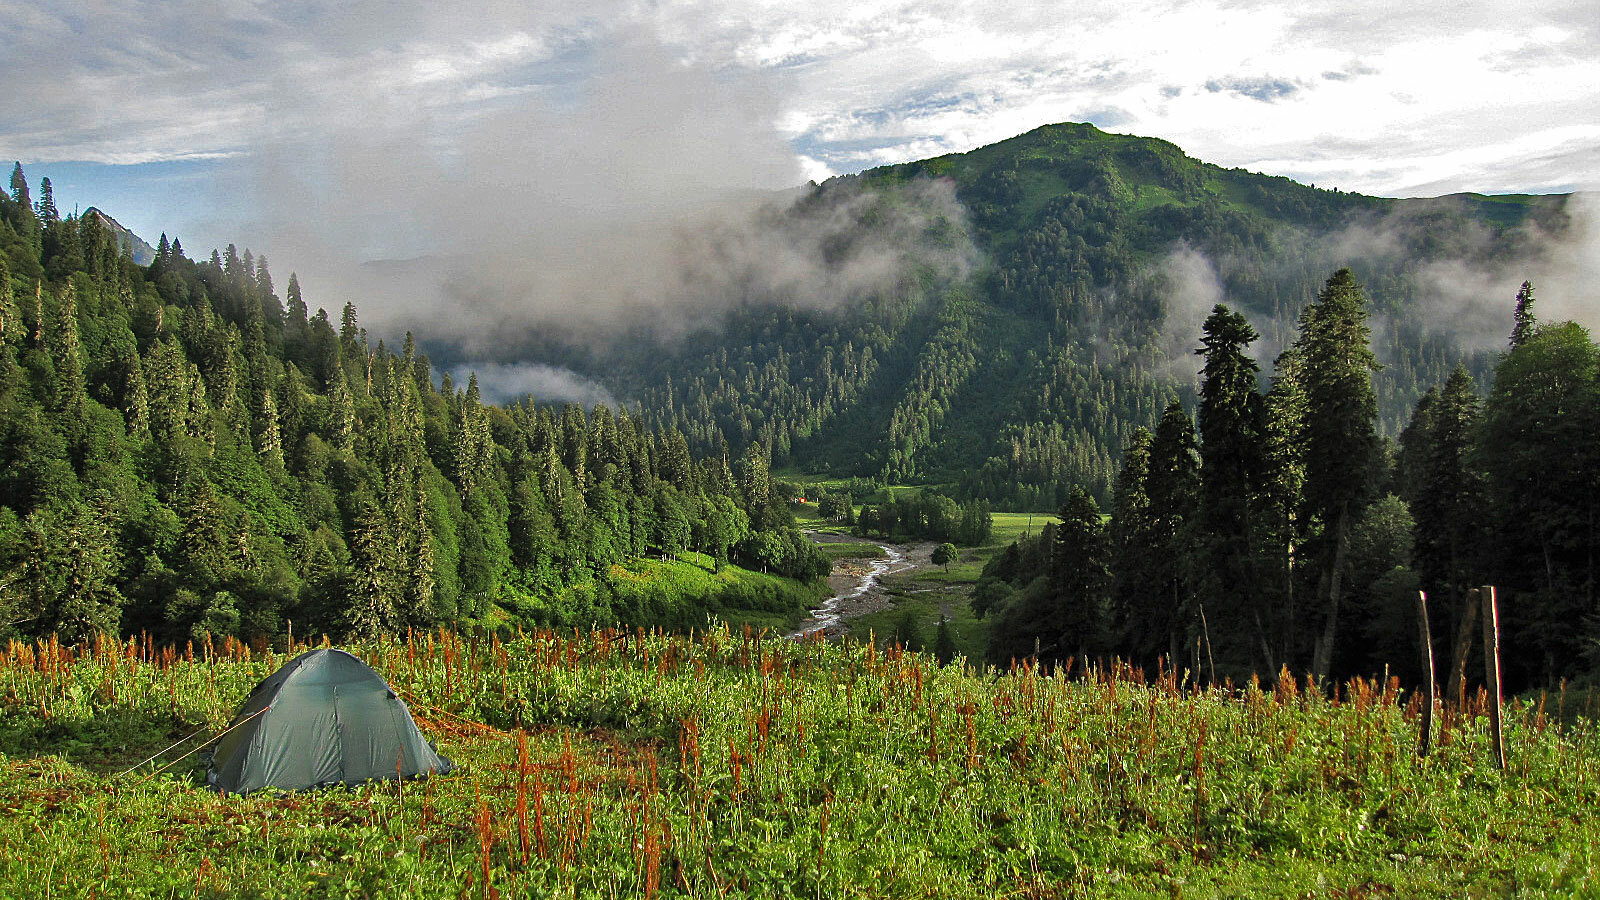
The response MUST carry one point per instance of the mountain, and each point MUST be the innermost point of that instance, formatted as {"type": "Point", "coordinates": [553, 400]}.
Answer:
{"type": "Point", "coordinates": [1100, 254]}
{"type": "Point", "coordinates": [143, 253]}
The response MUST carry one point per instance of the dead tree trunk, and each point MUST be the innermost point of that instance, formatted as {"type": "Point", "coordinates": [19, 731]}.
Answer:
{"type": "Point", "coordinates": [1491, 670]}
{"type": "Point", "coordinates": [1424, 744]}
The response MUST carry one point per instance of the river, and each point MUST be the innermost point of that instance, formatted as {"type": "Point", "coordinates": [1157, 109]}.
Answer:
{"type": "Point", "coordinates": [829, 617]}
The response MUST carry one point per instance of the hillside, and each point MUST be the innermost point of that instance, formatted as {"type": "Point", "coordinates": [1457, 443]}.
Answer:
{"type": "Point", "coordinates": [185, 453]}
{"type": "Point", "coordinates": [1099, 255]}
{"type": "Point", "coordinates": [137, 247]}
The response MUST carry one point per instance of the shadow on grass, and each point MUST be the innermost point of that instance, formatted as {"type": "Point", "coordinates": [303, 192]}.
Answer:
{"type": "Point", "coordinates": [111, 741]}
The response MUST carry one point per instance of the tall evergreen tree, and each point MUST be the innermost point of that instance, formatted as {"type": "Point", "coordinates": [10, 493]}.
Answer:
{"type": "Point", "coordinates": [1078, 579]}
{"type": "Point", "coordinates": [1174, 490]}
{"type": "Point", "coordinates": [1540, 451]}
{"type": "Point", "coordinates": [19, 187]}
{"type": "Point", "coordinates": [45, 209]}
{"type": "Point", "coordinates": [1283, 516]}
{"type": "Point", "coordinates": [1448, 508]}
{"type": "Point", "coordinates": [1231, 421]}
{"type": "Point", "coordinates": [1340, 436]}
{"type": "Point", "coordinates": [1523, 320]}
{"type": "Point", "coordinates": [1133, 554]}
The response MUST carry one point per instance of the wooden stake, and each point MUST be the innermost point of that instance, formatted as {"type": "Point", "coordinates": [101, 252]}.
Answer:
{"type": "Point", "coordinates": [1427, 665]}
{"type": "Point", "coordinates": [1491, 670]}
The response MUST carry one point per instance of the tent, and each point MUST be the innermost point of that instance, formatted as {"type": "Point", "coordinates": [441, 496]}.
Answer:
{"type": "Point", "coordinates": [324, 718]}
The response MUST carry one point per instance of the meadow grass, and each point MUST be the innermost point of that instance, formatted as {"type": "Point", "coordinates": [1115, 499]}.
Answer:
{"type": "Point", "coordinates": [969, 633]}
{"type": "Point", "coordinates": [690, 591]}
{"type": "Point", "coordinates": [851, 550]}
{"type": "Point", "coordinates": [625, 763]}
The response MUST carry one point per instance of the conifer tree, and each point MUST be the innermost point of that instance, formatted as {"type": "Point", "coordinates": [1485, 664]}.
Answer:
{"type": "Point", "coordinates": [1283, 518]}
{"type": "Point", "coordinates": [341, 416]}
{"type": "Point", "coordinates": [1540, 449]}
{"type": "Point", "coordinates": [296, 308]}
{"type": "Point", "coordinates": [1173, 487]}
{"type": "Point", "coordinates": [66, 353]}
{"type": "Point", "coordinates": [1523, 320]}
{"type": "Point", "coordinates": [1231, 419]}
{"type": "Point", "coordinates": [136, 398]}
{"type": "Point", "coordinates": [1340, 436]}
{"type": "Point", "coordinates": [755, 484]}
{"type": "Point", "coordinates": [1078, 578]}
{"type": "Point", "coordinates": [1449, 505]}
{"type": "Point", "coordinates": [1132, 549]}
{"type": "Point", "coordinates": [10, 317]}
{"type": "Point", "coordinates": [270, 441]}
{"type": "Point", "coordinates": [19, 188]}
{"type": "Point", "coordinates": [374, 589]}
{"type": "Point", "coordinates": [46, 210]}
{"type": "Point", "coordinates": [67, 570]}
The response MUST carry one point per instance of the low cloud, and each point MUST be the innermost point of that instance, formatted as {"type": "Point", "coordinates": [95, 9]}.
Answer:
{"type": "Point", "coordinates": [1190, 289]}
{"type": "Point", "coordinates": [639, 203]}
{"type": "Point", "coordinates": [506, 382]}
{"type": "Point", "coordinates": [1467, 291]}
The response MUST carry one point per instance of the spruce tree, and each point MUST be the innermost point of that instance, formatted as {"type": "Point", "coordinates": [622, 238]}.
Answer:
{"type": "Point", "coordinates": [1523, 320]}
{"type": "Point", "coordinates": [45, 209]}
{"type": "Point", "coordinates": [1231, 421]}
{"type": "Point", "coordinates": [1282, 519]}
{"type": "Point", "coordinates": [1168, 616]}
{"type": "Point", "coordinates": [19, 188]}
{"type": "Point", "coordinates": [1449, 507]}
{"type": "Point", "coordinates": [1131, 539]}
{"type": "Point", "coordinates": [1078, 579]}
{"type": "Point", "coordinates": [1340, 436]}
{"type": "Point", "coordinates": [1540, 450]}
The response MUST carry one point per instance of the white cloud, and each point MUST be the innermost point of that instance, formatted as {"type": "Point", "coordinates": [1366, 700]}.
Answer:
{"type": "Point", "coordinates": [1424, 91]}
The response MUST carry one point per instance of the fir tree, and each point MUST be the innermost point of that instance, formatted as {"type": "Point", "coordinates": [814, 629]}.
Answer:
{"type": "Point", "coordinates": [19, 188]}
{"type": "Point", "coordinates": [1231, 418]}
{"type": "Point", "coordinates": [1340, 435]}
{"type": "Point", "coordinates": [1523, 320]}
{"type": "Point", "coordinates": [1078, 578]}
{"type": "Point", "coordinates": [1173, 487]}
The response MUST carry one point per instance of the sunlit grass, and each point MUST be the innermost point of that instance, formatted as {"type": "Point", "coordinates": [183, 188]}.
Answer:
{"type": "Point", "coordinates": [725, 765]}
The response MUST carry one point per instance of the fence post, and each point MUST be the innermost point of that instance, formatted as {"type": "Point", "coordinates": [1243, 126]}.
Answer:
{"type": "Point", "coordinates": [1491, 670]}
{"type": "Point", "coordinates": [1427, 664]}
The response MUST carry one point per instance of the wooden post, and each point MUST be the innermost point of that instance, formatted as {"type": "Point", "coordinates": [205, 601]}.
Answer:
{"type": "Point", "coordinates": [1491, 670]}
{"type": "Point", "coordinates": [1427, 666]}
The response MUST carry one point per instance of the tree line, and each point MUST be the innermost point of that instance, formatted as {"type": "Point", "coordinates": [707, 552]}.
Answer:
{"type": "Point", "coordinates": [183, 452]}
{"type": "Point", "coordinates": [1275, 528]}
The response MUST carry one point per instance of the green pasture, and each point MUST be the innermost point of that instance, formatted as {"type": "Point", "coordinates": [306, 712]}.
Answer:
{"type": "Point", "coordinates": [619, 763]}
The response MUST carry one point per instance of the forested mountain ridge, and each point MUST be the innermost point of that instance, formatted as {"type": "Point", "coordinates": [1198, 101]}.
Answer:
{"type": "Point", "coordinates": [183, 452]}
{"type": "Point", "coordinates": [1101, 254]}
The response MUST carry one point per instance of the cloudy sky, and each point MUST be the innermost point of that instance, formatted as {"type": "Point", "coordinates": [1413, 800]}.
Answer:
{"type": "Point", "coordinates": [345, 127]}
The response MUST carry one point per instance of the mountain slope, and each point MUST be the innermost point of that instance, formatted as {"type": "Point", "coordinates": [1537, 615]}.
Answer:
{"type": "Point", "coordinates": [1102, 254]}
{"type": "Point", "coordinates": [142, 252]}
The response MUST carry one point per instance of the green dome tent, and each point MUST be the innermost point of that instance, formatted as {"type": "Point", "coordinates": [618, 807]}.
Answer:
{"type": "Point", "coordinates": [324, 718]}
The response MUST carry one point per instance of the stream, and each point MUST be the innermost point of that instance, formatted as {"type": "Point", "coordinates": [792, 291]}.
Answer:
{"type": "Point", "coordinates": [830, 615]}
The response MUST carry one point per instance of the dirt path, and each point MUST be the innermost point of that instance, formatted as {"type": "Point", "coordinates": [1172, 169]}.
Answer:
{"type": "Point", "coordinates": [856, 584]}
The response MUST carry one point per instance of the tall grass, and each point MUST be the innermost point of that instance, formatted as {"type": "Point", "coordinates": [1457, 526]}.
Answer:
{"type": "Point", "coordinates": [632, 763]}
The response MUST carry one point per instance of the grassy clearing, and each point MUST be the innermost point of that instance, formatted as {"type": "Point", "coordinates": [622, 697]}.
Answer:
{"type": "Point", "coordinates": [1008, 526]}
{"type": "Point", "coordinates": [970, 634]}
{"type": "Point", "coordinates": [655, 590]}
{"type": "Point", "coordinates": [733, 766]}
{"type": "Point", "coordinates": [851, 550]}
